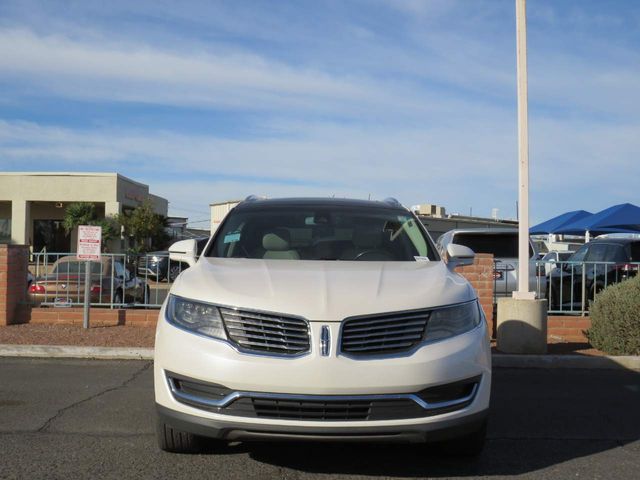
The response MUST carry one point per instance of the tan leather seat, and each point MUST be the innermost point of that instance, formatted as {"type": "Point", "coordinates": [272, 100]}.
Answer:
{"type": "Point", "coordinates": [278, 245]}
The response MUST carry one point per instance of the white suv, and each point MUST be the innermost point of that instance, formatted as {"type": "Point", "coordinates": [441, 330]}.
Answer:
{"type": "Point", "coordinates": [321, 319]}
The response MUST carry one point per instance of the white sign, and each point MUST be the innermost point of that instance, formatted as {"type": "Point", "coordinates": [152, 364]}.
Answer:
{"type": "Point", "coordinates": [89, 242]}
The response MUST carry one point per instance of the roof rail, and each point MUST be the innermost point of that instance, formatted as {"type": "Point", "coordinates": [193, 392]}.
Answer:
{"type": "Point", "coordinates": [392, 201]}
{"type": "Point", "coordinates": [254, 198]}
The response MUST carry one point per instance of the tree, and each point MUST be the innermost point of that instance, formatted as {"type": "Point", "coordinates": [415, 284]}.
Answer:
{"type": "Point", "coordinates": [145, 227]}
{"type": "Point", "coordinates": [84, 213]}
{"type": "Point", "coordinates": [79, 213]}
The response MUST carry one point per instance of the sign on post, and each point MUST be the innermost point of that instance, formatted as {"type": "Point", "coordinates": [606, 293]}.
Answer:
{"type": "Point", "coordinates": [89, 242]}
{"type": "Point", "coordinates": [89, 246]}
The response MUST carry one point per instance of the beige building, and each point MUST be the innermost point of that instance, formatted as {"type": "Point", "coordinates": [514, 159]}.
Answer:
{"type": "Point", "coordinates": [32, 204]}
{"type": "Point", "coordinates": [219, 211]}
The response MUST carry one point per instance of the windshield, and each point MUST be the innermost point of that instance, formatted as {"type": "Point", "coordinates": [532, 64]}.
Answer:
{"type": "Point", "coordinates": [322, 233]}
{"type": "Point", "coordinates": [501, 245]}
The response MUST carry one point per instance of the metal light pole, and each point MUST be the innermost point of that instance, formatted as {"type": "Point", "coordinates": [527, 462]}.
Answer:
{"type": "Point", "coordinates": [523, 292]}
{"type": "Point", "coordinates": [522, 320]}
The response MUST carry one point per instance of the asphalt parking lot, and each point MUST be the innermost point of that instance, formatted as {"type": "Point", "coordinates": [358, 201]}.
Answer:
{"type": "Point", "coordinates": [95, 419]}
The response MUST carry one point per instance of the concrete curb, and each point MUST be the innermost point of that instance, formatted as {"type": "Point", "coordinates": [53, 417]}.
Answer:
{"type": "Point", "coordinates": [58, 351]}
{"type": "Point", "coordinates": [498, 360]}
{"type": "Point", "coordinates": [566, 361]}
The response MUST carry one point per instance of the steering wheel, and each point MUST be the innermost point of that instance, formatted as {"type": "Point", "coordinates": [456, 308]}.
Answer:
{"type": "Point", "coordinates": [370, 252]}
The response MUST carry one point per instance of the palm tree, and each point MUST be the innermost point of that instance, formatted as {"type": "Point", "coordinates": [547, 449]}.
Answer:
{"type": "Point", "coordinates": [84, 213]}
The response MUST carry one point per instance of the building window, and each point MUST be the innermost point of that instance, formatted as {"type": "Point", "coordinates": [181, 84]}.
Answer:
{"type": "Point", "coordinates": [5, 230]}
{"type": "Point", "coordinates": [50, 234]}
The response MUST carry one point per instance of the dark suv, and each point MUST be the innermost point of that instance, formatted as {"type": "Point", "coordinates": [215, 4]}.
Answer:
{"type": "Point", "coordinates": [156, 265]}
{"type": "Point", "coordinates": [600, 263]}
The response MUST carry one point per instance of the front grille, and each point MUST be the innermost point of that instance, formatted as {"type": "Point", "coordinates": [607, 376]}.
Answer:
{"type": "Point", "coordinates": [385, 333]}
{"type": "Point", "coordinates": [266, 332]}
{"type": "Point", "coordinates": [311, 410]}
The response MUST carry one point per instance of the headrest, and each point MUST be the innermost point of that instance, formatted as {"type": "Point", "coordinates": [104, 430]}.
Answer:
{"type": "Point", "coordinates": [279, 240]}
{"type": "Point", "coordinates": [367, 238]}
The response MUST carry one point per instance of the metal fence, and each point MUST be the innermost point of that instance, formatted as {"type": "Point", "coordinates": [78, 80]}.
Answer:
{"type": "Point", "coordinates": [573, 285]}
{"type": "Point", "coordinates": [117, 281]}
{"type": "Point", "coordinates": [569, 287]}
{"type": "Point", "coordinates": [143, 281]}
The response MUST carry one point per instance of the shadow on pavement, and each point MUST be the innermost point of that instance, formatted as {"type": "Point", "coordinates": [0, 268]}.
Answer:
{"type": "Point", "coordinates": [540, 418]}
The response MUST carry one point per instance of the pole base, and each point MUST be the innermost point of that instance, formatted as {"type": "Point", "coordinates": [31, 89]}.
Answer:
{"type": "Point", "coordinates": [522, 326]}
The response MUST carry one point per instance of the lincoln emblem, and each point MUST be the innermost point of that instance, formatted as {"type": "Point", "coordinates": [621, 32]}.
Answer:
{"type": "Point", "coordinates": [325, 342]}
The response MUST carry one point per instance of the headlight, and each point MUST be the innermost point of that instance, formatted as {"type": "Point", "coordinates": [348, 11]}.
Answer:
{"type": "Point", "coordinates": [450, 321]}
{"type": "Point", "coordinates": [197, 317]}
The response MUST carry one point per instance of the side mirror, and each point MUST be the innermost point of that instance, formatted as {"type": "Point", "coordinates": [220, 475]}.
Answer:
{"type": "Point", "coordinates": [459, 255]}
{"type": "Point", "coordinates": [184, 251]}
{"type": "Point", "coordinates": [127, 275]}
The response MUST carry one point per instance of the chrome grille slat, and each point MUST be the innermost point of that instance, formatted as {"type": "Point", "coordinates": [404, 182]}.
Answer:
{"type": "Point", "coordinates": [384, 333]}
{"type": "Point", "coordinates": [387, 332]}
{"type": "Point", "coordinates": [266, 324]}
{"type": "Point", "coordinates": [386, 324]}
{"type": "Point", "coordinates": [266, 333]}
{"type": "Point", "coordinates": [266, 345]}
{"type": "Point", "coordinates": [387, 318]}
{"type": "Point", "coordinates": [382, 340]}
{"type": "Point", "coordinates": [261, 316]}
{"type": "Point", "coordinates": [270, 339]}
{"type": "Point", "coordinates": [376, 348]}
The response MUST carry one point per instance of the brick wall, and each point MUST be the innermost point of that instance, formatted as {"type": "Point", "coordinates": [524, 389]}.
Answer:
{"type": "Point", "coordinates": [98, 317]}
{"type": "Point", "coordinates": [561, 329]}
{"type": "Point", "coordinates": [480, 275]}
{"type": "Point", "coordinates": [13, 307]}
{"type": "Point", "coordinates": [13, 284]}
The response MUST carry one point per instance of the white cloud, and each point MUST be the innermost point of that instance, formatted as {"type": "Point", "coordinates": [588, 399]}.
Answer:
{"type": "Point", "coordinates": [128, 72]}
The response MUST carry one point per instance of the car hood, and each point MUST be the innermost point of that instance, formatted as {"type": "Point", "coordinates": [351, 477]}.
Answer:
{"type": "Point", "coordinates": [322, 290]}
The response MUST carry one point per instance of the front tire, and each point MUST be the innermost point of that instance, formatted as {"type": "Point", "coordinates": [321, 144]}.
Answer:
{"type": "Point", "coordinates": [174, 271]}
{"type": "Point", "coordinates": [176, 441]}
{"type": "Point", "coordinates": [117, 298]}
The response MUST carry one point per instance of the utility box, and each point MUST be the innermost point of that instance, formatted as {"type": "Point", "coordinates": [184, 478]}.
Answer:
{"type": "Point", "coordinates": [431, 210]}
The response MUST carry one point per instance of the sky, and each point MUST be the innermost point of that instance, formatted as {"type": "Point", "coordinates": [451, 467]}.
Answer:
{"type": "Point", "coordinates": [209, 101]}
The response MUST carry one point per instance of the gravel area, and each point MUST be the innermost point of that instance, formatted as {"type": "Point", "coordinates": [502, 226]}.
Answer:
{"type": "Point", "coordinates": [119, 336]}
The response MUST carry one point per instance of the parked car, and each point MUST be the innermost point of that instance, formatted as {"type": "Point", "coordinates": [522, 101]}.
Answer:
{"type": "Point", "coordinates": [321, 319]}
{"type": "Point", "coordinates": [157, 266]}
{"type": "Point", "coordinates": [111, 282]}
{"type": "Point", "coordinates": [600, 262]}
{"type": "Point", "coordinates": [502, 243]}
{"type": "Point", "coordinates": [551, 259]}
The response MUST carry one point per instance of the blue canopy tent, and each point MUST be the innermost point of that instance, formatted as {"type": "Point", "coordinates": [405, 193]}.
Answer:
{"type": "Point", "coordinates": [626, 217]}
{"type": "Point", "coordinates": [552, 225]}
{"type": "Point", "coordinates": [623, 218]}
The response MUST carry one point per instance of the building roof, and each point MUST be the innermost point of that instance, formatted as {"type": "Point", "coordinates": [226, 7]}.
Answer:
{"type": "Point", "coordinates": [71, 174]}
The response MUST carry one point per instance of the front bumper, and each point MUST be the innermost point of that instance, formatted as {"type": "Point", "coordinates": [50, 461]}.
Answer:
{"type": "Point", "coordinates": [210, 361]}
{"type": "Point", "coordinates": [232, 431]}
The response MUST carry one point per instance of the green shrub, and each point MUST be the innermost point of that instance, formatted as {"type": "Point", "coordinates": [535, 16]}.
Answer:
{"type": "Point", "coordinates": [615, 319]}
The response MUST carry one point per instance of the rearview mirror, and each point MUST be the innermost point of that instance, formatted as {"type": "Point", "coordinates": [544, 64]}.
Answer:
{"type": "Point", "coordinates": [184, 251]}
{"type": "Point", "coordinates": [459, 255]}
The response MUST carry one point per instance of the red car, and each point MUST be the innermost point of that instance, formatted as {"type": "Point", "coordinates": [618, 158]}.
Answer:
{"type": "Point", "coordinates": [111, 283]}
